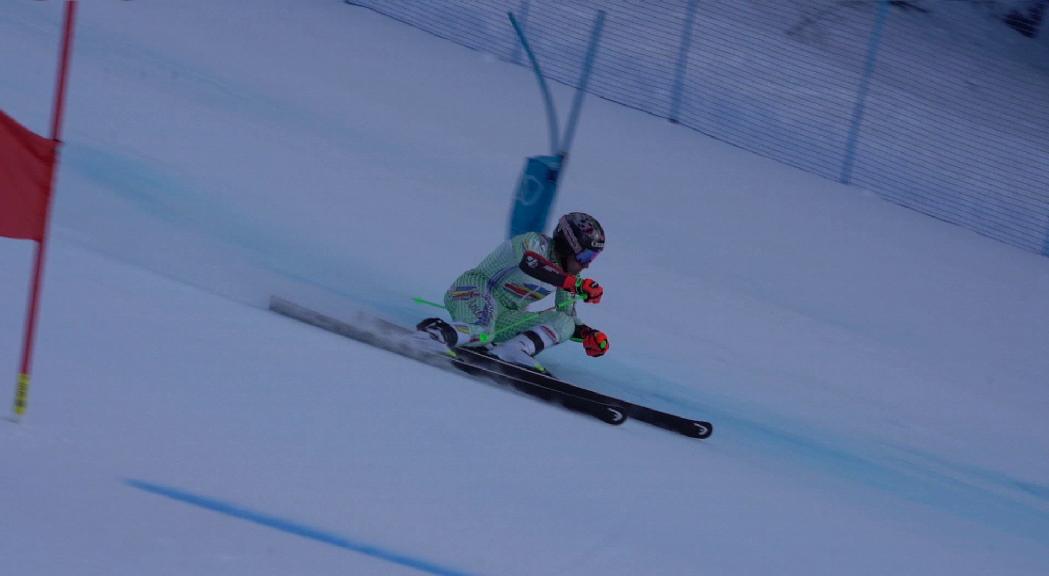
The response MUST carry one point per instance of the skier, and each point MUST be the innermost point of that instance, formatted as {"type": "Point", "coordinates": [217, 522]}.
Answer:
{"type": "Point", "coordinates": [488, 304]}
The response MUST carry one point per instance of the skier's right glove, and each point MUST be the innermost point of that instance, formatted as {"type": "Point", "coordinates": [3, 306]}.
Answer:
{"type": "Point", "coordinates": [594, 341]}
{"type": "Point", "coordinates": [590, 290]}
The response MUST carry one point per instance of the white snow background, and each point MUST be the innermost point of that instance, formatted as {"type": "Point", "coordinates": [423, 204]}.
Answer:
{"type": "Point", "coordinates": [877, 378]}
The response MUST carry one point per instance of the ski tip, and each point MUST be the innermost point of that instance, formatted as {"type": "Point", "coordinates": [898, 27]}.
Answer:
{"type": "Point", "coordinates": [698, 429]}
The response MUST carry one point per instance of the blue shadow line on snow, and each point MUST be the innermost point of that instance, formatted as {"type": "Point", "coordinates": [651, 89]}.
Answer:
{"type": "Point", "coordinates": [294, 528]}
{"type": "Point", "coordinates": [157, 192]}
{"type": "Point", "coordinates": [918, 478]}
{"type": "Point", "coordinates": [985, 496]}
{"type": "Point", "coordinates": [133, 181]}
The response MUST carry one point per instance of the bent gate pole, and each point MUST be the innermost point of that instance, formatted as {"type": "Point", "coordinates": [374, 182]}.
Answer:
{"type": "Point", "coordinates": [22, 392]}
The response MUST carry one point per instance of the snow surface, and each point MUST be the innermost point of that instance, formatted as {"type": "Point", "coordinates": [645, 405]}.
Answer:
{"type": "Point", "coordinates": [877, 377]}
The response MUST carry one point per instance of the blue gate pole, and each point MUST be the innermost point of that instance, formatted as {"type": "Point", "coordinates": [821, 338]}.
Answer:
{"type": "Point", "coordinates": [548, 101]}
{"type": "Point", "coordinates": [584, 81]}
{"type": "Point", "coordinates": [515, 56]}
{"type": "Point", "coordinates": [861, 103]}
{"type": "Point", "coordinates": [682, 60]}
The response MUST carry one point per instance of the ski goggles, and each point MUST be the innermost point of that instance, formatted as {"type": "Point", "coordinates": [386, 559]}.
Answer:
{"type": "Point", "coordinates": [587, 256]}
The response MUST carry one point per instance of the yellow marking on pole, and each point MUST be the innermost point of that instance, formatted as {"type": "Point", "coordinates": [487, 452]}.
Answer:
{"type": "Point", "coordinates": [22, 394]}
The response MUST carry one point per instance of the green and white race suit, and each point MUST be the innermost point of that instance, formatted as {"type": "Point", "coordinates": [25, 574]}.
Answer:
{"type": "Point", "coordinates": [489, 303]}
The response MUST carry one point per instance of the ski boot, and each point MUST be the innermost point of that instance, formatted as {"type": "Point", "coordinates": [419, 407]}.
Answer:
{"type": "Point", "coordinates": [437, 336]}
{"type": "Point", "coordinates": [521, 350]}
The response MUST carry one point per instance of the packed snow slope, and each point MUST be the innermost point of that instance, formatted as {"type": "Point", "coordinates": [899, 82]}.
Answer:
{"type": "Point", "coordinates": [877, 377]}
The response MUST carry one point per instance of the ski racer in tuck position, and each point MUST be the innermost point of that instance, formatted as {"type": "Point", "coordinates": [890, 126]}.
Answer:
{"type": "Point", "coordinates": [488, 304]}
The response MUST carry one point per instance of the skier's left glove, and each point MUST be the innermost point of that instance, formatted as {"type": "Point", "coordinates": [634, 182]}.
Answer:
{"type": "Point", "coordinates": [590, 290]}
{"type": "Point", "coordinates": [595, 341]}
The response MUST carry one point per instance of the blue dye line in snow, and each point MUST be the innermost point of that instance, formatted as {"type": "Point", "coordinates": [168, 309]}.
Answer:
{"type": "Point", "coordinates": [291, 527]}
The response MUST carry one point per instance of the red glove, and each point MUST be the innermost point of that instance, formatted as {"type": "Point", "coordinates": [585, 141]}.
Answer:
{"type": "Point", "coordinates": [591, 291]}
{"type": "Point", "coordinates": [595, 342]}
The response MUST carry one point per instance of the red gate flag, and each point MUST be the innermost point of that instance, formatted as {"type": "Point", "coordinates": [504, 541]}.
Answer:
{"type": "Point", "coordinates": [26, 168]}
{"type": "Point", "coordinates": [27, 171]}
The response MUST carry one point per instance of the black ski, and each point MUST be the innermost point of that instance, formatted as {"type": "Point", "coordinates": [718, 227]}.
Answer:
{"type": "Point", "coordinates": [687, 426]}
{"type": "Point", "coordinates": [608, 413]}
{"type": "Point", "coordinates": [392, 337]}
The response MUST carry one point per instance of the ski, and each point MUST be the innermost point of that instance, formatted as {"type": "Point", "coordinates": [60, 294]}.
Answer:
{"type": "Point", "coordinates": [394, 338]}
{"type": "Point", "coordinates": [693, 428]}
{"type": "Point", "coordinates": [606, 412]}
